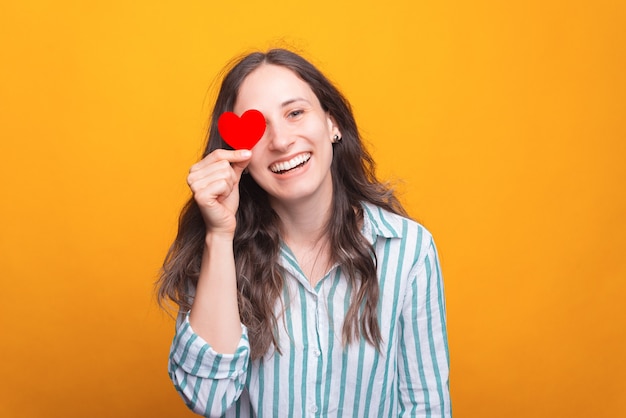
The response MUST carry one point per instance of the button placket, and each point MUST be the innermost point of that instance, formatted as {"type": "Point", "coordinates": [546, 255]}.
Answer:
{"type": "Point", "coordinates": [316, 351]}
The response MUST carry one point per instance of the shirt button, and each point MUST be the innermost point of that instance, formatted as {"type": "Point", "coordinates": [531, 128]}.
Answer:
{"type": "Point", "coordinates": [316, 353]}
{"type": "Point", "coordinates": [314, 408]}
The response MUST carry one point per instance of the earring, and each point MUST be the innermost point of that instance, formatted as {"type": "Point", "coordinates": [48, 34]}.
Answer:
{"type": "Point", "coordinates": [336, 139]}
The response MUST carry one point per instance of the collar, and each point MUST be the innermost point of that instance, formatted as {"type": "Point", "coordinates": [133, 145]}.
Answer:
{"type": "Point", "coordinates": [378, 222]}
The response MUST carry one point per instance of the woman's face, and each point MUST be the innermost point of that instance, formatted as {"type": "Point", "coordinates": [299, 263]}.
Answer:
{"type": "Point", "coordinates": [292, 160]}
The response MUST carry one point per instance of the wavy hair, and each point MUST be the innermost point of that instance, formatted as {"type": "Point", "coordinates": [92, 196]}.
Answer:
{"type": "Point", "coordinates": [257, 235]}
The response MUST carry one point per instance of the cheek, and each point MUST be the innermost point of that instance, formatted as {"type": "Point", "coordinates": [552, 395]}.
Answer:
{"type": "Point", "coordinates": [255, 167]}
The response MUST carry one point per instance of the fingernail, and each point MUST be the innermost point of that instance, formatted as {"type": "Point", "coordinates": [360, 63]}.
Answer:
{"type": "Point", "coordinates": [245, 153]}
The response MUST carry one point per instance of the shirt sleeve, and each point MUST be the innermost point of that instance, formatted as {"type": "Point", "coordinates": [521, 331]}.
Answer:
{"type": "Point", "coordinates": [423, 364]}
{"type": "Point", "coordinates": [209, 382]}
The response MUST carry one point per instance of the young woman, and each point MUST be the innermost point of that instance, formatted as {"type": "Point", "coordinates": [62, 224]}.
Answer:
{"type": "Point", "coordinates": [303, 287]}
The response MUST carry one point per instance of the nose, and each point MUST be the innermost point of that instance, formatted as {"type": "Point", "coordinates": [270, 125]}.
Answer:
{"type": "Point", "coordinates": [280, 139]}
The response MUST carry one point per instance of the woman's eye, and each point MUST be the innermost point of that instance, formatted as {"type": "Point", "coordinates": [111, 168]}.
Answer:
{"type": "Point", "coordinates": [295, 113]}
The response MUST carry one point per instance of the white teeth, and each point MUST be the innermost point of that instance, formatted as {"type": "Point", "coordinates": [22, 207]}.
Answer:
{"type": "Point", "coordinates": [288, 165]}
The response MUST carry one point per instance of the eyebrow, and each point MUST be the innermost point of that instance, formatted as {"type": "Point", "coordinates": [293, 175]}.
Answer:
{"type": "Point", "coordinates": [290, 101]}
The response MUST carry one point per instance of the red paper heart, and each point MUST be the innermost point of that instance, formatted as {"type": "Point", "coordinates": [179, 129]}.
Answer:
{"type": "Point", "coordinates": [242, 132]}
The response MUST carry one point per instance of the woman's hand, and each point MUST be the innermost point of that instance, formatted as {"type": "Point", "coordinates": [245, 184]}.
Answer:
{"type": "Point", "coordinates": [214, 182]}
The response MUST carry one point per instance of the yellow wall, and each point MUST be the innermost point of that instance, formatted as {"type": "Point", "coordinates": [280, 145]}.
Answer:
{"type": "Point", "coordinates": [504, 119]}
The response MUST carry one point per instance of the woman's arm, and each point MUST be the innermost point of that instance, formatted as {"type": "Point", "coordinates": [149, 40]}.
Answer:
{"type": "Point", "coordinates": [214, 182]}
{"type": "Point", "coordinates": [210, 352]}
{"type": "Point", "coordinates": [423, 360]}
{"type": "Point", "coordinates": [214, 313]}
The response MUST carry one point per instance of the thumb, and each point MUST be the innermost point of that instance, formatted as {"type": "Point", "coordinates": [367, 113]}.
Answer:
{"type": "Point", "coordinates": [242, 162]}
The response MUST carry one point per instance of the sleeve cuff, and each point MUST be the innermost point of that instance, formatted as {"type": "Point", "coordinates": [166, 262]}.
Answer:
{"type": "Point", "coordinates": [196, 357]}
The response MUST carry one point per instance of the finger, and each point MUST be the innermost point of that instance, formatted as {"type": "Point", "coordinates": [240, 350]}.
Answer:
{"type": "Point", "coordinates": [222, 154]}
{"type": "Point", "coordinates": [202, 179]}
{"type": "Point", "coordinates": [214, 192]}
{"type": "Point", "coordinates": [239, 168]}
{"type": "Point", "coordinates": [208, 172]}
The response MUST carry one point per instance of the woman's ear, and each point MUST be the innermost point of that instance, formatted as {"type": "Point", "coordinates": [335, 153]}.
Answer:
{"type": "Point", "coordinates": [333, 128]}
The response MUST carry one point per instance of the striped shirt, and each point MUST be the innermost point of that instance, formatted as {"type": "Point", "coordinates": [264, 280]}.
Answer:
{"type": "Point", "coordinates": [316, 375]}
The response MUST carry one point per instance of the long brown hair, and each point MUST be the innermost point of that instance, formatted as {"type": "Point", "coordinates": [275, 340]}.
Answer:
{"type": "Point", "coordinates": [257, 235]}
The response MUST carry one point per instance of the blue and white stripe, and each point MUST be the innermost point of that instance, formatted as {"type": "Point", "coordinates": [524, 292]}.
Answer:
{"type": "Point", "coordinates": [316, 375]}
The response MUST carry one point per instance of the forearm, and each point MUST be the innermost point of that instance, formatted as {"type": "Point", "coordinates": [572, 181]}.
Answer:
{"type": "Point", "coordinates": [214, 314]}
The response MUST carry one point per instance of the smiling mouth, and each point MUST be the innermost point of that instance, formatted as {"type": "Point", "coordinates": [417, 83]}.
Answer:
{"type": "Point", "coordinates": [295, 162]}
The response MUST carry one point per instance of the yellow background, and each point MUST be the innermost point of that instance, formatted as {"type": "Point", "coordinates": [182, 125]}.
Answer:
{"type": "Point", "coordinates": [504, 120]}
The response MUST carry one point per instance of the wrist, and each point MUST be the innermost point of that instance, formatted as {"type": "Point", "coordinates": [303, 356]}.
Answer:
{"type": "Point", "coordinates": [214, 237]}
